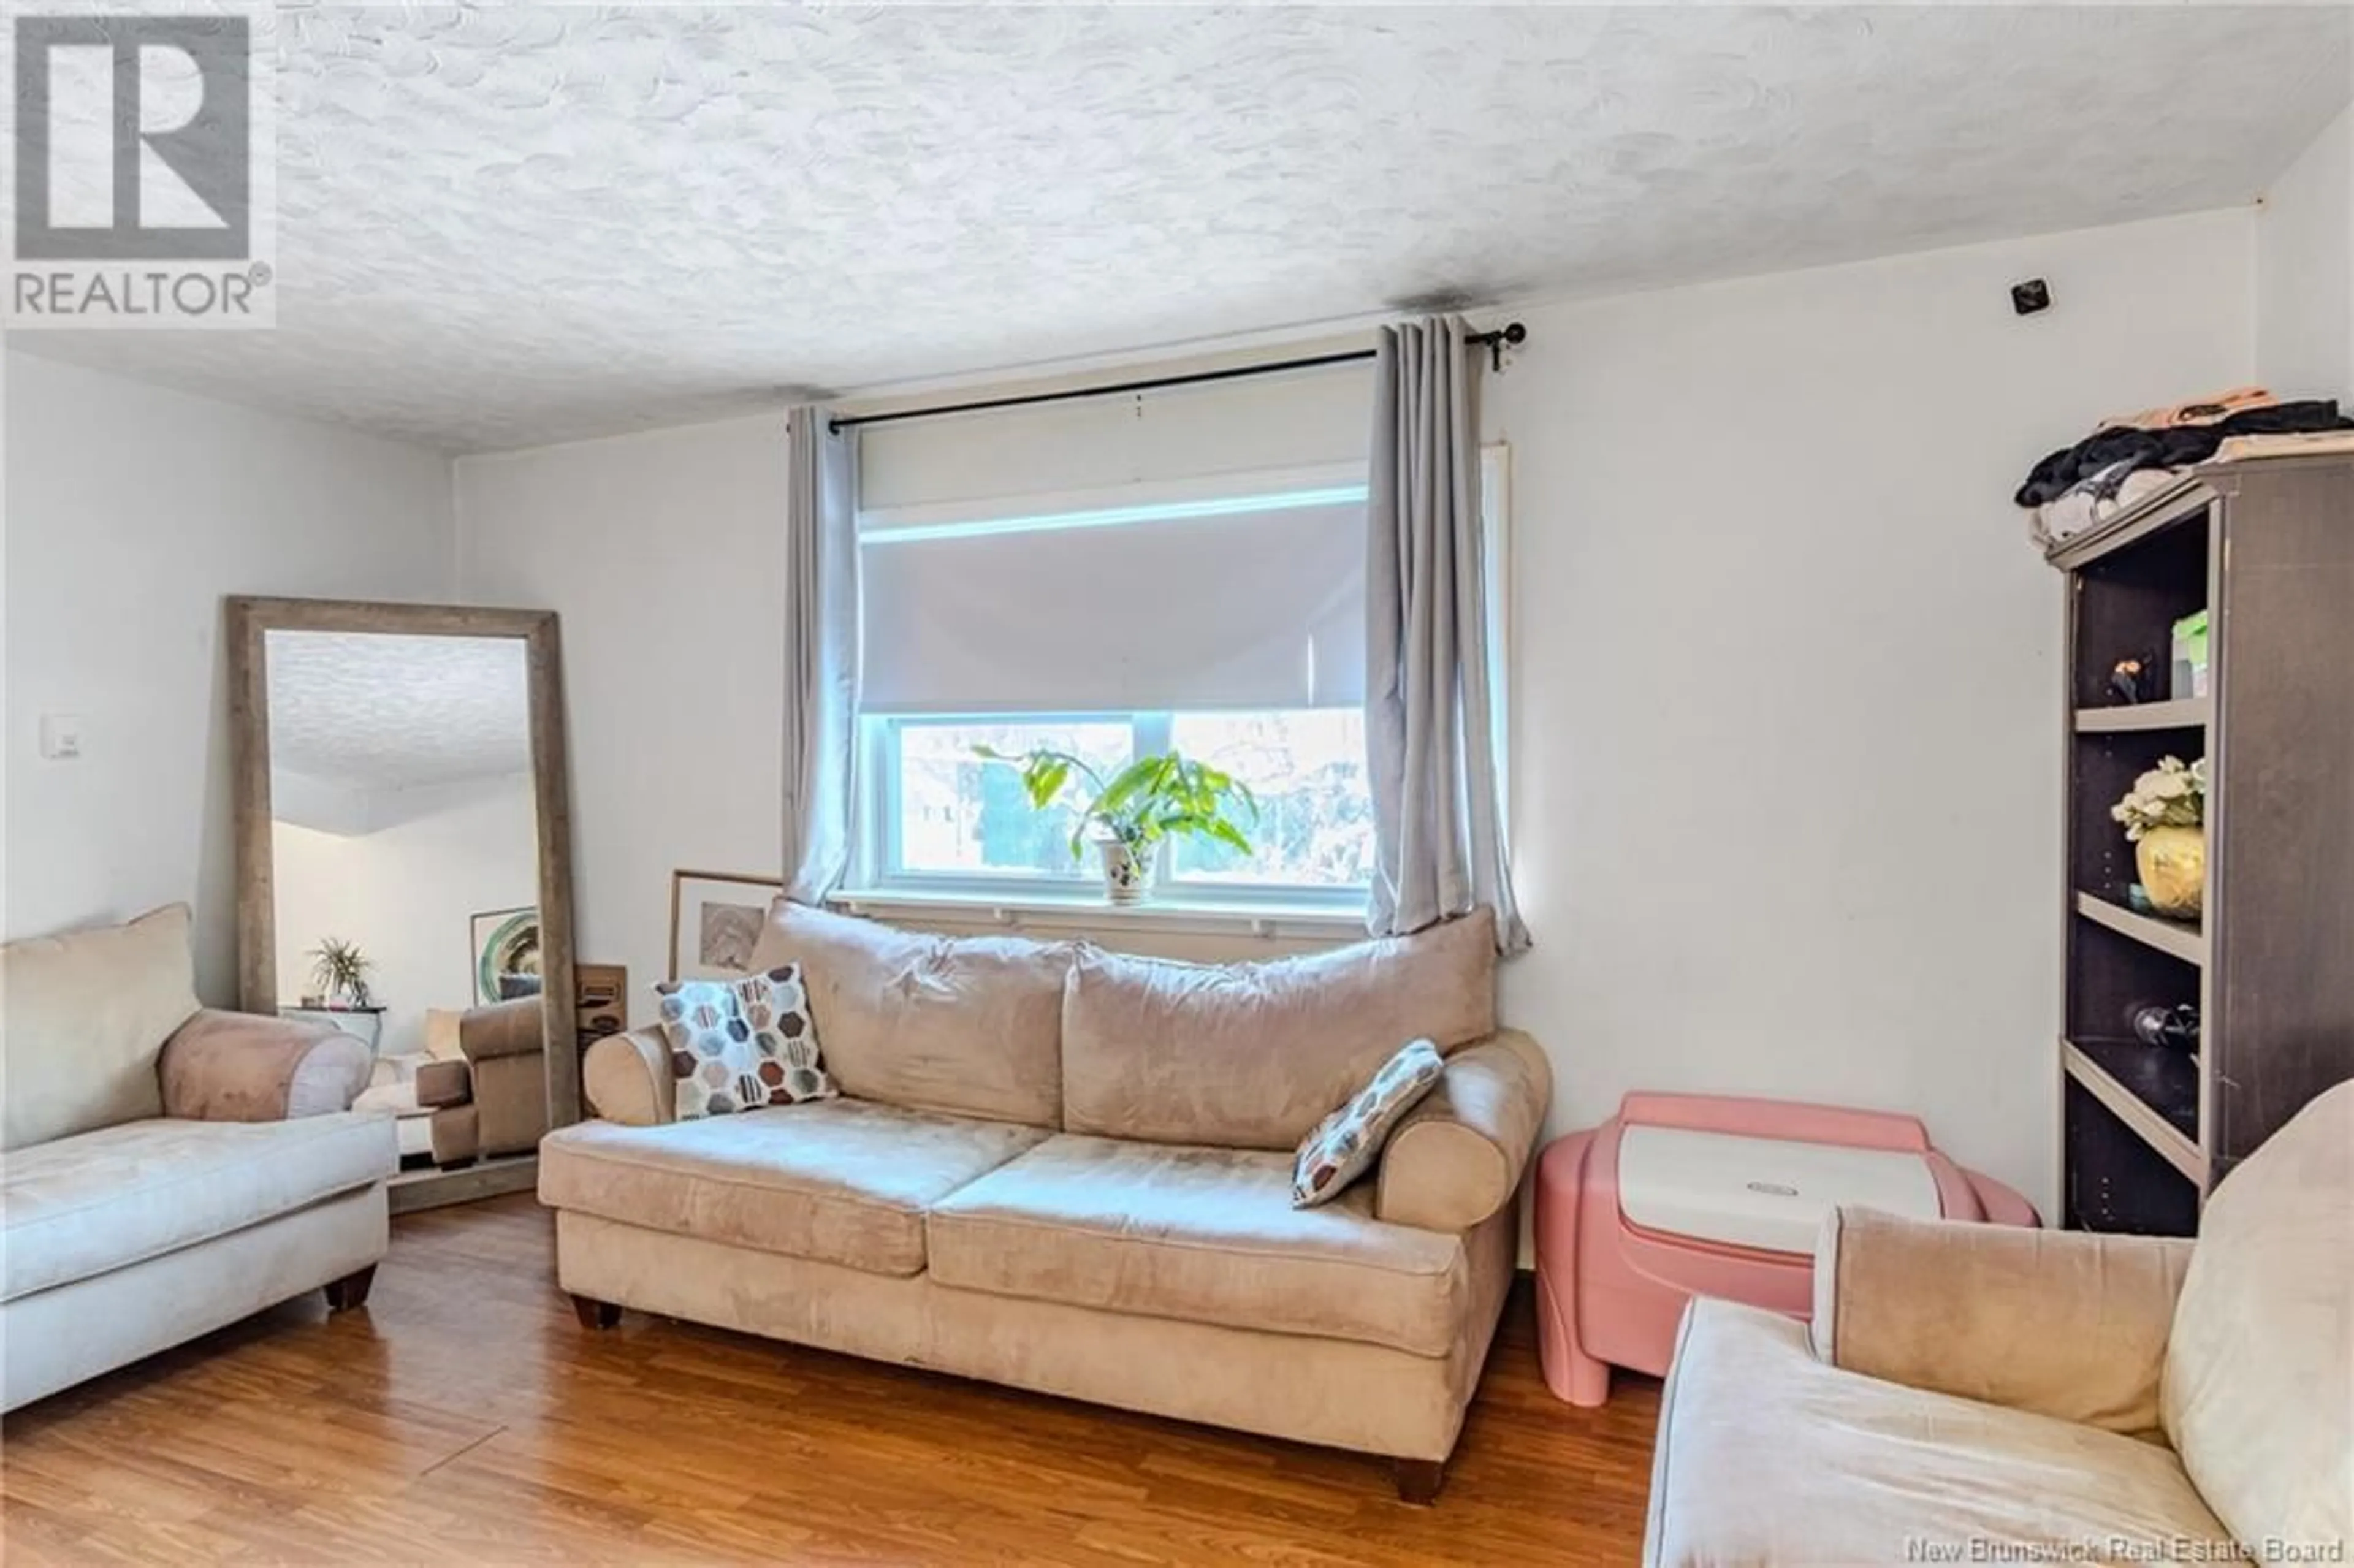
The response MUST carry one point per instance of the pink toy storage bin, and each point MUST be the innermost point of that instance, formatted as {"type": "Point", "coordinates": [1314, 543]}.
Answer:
{"type": "Point", "coordinates": [1684, 1195]}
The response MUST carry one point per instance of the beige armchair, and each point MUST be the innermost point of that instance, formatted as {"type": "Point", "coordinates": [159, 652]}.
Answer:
{"type": "Point", "coordinates": [490, 1099]}
{"type": "Point", "coordinates": [505, 1053]}
{"type": "Point", "coordinates": [1980, 1394]}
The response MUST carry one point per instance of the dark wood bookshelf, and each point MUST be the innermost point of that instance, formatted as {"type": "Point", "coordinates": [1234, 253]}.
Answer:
{"type": "Point", "coordinates": [2265, 546]}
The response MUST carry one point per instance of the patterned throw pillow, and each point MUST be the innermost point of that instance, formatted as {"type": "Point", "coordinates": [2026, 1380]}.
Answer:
{"type": "Point", "coordinates": [740, 1044]}
{"type": "Point", "coordinates": [1342, 1147]}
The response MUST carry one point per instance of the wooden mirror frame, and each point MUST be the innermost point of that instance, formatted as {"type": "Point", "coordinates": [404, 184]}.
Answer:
{"type": "Point", "coordinates": [251, 620]}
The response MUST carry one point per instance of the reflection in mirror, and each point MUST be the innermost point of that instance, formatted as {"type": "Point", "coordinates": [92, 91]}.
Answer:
{"type": "Point", "coordinates": [405, 878]}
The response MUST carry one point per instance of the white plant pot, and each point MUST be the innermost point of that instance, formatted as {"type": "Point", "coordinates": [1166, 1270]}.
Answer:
{"type": "Point", "coordinates": [1127, 875]}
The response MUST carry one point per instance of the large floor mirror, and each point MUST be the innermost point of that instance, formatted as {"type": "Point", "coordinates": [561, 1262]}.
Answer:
{"type": "Point", "coordinates": [404, 867]}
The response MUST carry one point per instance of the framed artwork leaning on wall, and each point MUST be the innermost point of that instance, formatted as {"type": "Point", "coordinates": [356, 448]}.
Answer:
{"type": "Point", "coordinates": [714, 921]}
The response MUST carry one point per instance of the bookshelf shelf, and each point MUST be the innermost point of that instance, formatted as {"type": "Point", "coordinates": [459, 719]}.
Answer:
{"type": "Point", "coordinates": [2182, 940]}
{"type": "Point", "coordinates": [2182, 713]}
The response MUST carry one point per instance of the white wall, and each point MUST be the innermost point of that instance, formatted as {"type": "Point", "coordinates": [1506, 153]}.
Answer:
{"type": "Point", "coordinates": [130, 511]}
{"type": "Point", "coordinates": [2305, 272]}
{"type": "Point", "coordinates": [1787, 730]}
{"type": "Point", "coordinates": [664, 555]}
{"type": "Point", "coordinates": [406, 892]}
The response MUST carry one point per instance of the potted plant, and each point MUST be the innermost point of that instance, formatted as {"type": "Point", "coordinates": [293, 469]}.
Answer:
{"type": "Point", "coordinates": [340, 971]}
{"type": "Point", "coordinates": [2165, 816]}
{"type": "Point", "coordinates": [1151, 799]}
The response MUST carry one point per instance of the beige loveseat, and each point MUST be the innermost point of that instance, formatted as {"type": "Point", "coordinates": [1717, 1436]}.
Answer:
{"type": "Point", "coordinates": [168, 1169]}
{"type": "Point", "coordinates": [1974, 1394]}
{"type": "Point", "coordinates": [1069, 1170]}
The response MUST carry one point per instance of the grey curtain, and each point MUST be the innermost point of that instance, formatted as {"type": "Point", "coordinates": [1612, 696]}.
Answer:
{"type": "Point", "coordinates": [1430, 736]}
{"type": "Point", "coordinates": [821, 652]}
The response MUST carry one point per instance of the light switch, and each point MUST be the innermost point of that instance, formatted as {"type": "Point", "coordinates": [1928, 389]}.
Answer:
{"type": "Point", "coordinates": [60, 736]}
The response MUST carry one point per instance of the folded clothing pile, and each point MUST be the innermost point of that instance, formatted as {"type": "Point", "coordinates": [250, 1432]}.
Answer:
{"type": "Point", "coordinates": [2129, 457]}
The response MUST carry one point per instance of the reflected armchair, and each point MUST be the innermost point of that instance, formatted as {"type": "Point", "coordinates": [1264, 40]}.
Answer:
{"type": "Point", "coordinates": [489, 1099]}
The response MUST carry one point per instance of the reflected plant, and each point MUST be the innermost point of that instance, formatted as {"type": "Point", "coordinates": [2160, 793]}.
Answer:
{"type": "Point", "coordinates": [1165, 795]}
{"type": "Point", "coordinates": [339, 969]}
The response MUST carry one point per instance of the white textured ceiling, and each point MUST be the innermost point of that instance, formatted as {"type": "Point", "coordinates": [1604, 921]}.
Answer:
{"type": "Point", "coordinates": [364, 711]}
{"type": "Point", "coordinates": [512, 224]}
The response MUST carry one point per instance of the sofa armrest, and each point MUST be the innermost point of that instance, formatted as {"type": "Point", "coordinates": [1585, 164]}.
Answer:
{"type": "Point", "coordinates": [1457, 1157]}
{"type": "Point", "coordinates": [516, 1027]}
{"type": "Point", "coordinates": [627, 1078]}
{"type": "Point", "coordinates": [442, 1084]}
{"type": "Point", "coordinates": [2063, 1323]}
{"type": "Point", "coordinates": [242, 1066]}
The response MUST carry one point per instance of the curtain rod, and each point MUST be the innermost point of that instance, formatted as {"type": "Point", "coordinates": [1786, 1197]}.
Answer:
{"type": "Point", "coordinates": [1511, 336]}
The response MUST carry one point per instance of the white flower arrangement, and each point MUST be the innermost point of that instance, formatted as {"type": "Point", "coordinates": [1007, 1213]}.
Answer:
{"type": "Point", "coordinates": [2171, 795]}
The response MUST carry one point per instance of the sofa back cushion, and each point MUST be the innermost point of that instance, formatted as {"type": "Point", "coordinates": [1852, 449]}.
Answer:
{"type": "Point", "coordinates": [85, 1016]}
{"type": "Point", "coordinates": [1252, 1056]}
{"type": "Point", "coordinates": [969, 1025]}
{"type": "Point", "coordinates": [2261, 1357]}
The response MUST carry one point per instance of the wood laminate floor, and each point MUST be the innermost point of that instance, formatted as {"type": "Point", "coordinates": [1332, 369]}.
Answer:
{"type": "Point", "coordinates": [465, 1417]}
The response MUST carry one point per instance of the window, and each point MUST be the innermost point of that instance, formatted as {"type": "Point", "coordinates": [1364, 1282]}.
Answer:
{"type": "Point", "coordinates": [1117, 576]}
{"type": "Point", "coordinates": [1306, 766]}
{"type": "Point", "coordinates": [941, 818]}
{"type": "Point", "coordinates": [1223, 618]}
{"type": "Point", "coordinates": [944, 812]}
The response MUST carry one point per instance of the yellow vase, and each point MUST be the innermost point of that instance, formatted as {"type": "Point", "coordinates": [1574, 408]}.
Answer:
{"type": "Point", "coordinates": [2173, 865]}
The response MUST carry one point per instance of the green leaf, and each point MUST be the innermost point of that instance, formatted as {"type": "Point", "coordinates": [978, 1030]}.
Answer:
{"type": "Point", "coordinates": [1045, 778]}
{"type": "Point", "coordinates": [1226, 832]}
{"type": "Point", "coordinates": [1149, 798]}
{"type": "Point", "coordinates": [1138, 782]}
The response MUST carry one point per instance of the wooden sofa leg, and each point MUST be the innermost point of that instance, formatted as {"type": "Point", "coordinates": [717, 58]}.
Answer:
{"type": "Point", "coordinates": [351, 1290]}
{"type": "Point", "coordinates": [596, 1314]}
{"type": "Point", "coordinates": [1418, 1480]}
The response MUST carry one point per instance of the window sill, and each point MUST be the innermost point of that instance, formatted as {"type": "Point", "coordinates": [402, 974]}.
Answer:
{"type": "Point", "coordinates": [1078, 914]}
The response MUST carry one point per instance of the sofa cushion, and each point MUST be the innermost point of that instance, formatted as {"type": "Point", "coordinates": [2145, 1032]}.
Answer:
{"type": "Point", "coordinates": [1206, 1235]}
{"type": "Point", "coordinates": [840, 1181]}
{"type": "Point", "coordinates": [964, 1025]}
{"type": "Point", "coordinates": [441, 1034]}
{"type": "Point", "coordinates": [1252, 1056]}
{"type": "Point", "coordinates": [1767, 1455]}
{"type": "Point", "coordinates": [86, 1016]}
{"type": "Point", "coordinates": [2260, 1360]}
{"type": "Point", "coordinates": [79, 1206]}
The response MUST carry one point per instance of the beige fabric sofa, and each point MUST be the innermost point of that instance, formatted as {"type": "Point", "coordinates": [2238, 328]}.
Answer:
{"type": "Point", "coordinates": [168, 1169]}
{"type": "Point", "coordinates": [1974, 1394]}
{"type": "Point", "coordinates": [1069, 1170]}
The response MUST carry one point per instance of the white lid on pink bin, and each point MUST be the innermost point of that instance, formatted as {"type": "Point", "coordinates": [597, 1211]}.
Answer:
{"type": "Point", "coordinates": [1770, 1194]}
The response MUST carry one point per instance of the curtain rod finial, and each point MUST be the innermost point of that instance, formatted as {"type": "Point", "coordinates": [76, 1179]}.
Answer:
{"type": "Point", "coordinates": [1511, 334]}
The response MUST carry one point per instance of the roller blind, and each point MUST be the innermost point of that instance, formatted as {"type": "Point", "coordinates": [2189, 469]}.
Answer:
{"type": "Point", "coordinates": [1200, 549]}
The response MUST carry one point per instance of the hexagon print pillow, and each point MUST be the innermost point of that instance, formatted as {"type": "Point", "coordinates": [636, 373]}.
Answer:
{"type": "Point", "coordinates": [740, 1044]}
